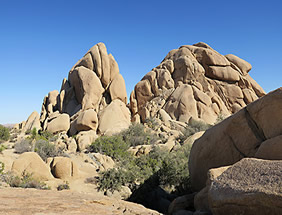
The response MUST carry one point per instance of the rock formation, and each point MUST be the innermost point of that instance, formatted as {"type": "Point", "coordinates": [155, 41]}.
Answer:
{"type": "Point", "coordinates": [94, 92]}
{"type": "Point", "coordinates": [197, 82]}
{"type": "Point", "coordinates": [254, 131]}
{"type": "Point", "coordinates": [251, 186]}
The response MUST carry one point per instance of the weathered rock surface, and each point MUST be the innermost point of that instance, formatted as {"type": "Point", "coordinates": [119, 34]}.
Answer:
{"type": "Point", "coordinates": [30, 162]}
{"type": "Point", "coordinates": [194, 81]}
{"type": "Point", "coordinates": [254, 131]}
{"type": "Point", "coordinates": [31, 122]}
{"type": "Point", "coordinates": [251, 186]}
{"type": "Point", "coordinates": [63, 167]}
{"type": "Point", "coordinates": [31, 201]}
{"type": "Point", "coordinates": [93, 89]}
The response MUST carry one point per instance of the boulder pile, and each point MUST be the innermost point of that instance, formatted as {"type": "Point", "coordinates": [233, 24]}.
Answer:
{"type": "Point", "coordinates": [196, 82]}
{"type": "Point", "coordinates": [94, 93]}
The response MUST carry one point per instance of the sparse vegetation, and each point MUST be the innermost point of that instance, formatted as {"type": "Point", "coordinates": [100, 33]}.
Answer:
{"type": "Point", "coordinates": [113, 146]}
{"type": "Point", "coordinates": [23, 146]}
{"type": "Point", "coordinates": [25, 181]}
{"type": "Point", "coordinates": [64, 186]}
{"type": "Point", "coordinates": [42, 147]}
{"type": "Point", "coordinates": [220, 118]}
{"type": "Point", "coordinates": [2, 167]}
{"type": "Point", "coordinates": [193, 127]}
{"type": "Point", "coordinates": [45, 149]}
{"type": "Point", "coordinates": [2, 148]}
{"type": "Point", "coordinates": [4, 133]}
{"type": "Point", "coordinates": [136, 134]}
{"type": "Point", "coordinates": [169, 169]}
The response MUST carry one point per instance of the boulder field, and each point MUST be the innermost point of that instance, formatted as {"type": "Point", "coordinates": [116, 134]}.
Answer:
{"type": "Point", "coordinates": [235, 166]}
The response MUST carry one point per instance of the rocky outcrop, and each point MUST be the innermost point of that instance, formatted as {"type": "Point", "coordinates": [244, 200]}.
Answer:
{"type": "Point", "coordinates": [251, 186]}
{"type": "Point", "coordinates": [31, 163]}
{"type": "Point", "coordinates": [94, 91]}
{"type": "Point", "coordinates": [254, 131]}
{"type": "Point", "coordinates": [31, 123]}
{"type": "Point", "coordinates": [31, 201]}
{"type": "Point", "coordinates": [197, 82]}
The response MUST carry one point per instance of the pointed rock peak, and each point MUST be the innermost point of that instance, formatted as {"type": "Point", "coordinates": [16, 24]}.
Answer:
{"type": "Point", "coordinates": [93, 83]}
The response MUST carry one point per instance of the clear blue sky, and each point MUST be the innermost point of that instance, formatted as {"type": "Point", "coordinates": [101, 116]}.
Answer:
{"type": "Point", "coordinates": [41, 40]}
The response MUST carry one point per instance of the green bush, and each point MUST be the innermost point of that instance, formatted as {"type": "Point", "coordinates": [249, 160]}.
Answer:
{"type": "Point", "coordinates": [4, 133]}
{"type": "Point", "coordinates": [25, 181]}
{"type": "Point", "coordinates": [174, 172]}
{"type": "Point", "coordinates": [113, 146]}
{"type": "Point", "coordinates": [193, 127]}
{"type": "Point", "coordinates": [168, 169]}
{"type": "Point", "coordinates": [136, 135]}
{"type": "Point", "coordinates": [112, 179]}
{"type": "Point", "coordinates": [2, 148]}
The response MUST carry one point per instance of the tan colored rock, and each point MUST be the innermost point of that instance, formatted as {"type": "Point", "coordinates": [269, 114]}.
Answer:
{"type": "Point", "coordinates": [86, 61]}
{"type": "Point", "coordinates": [32, 201]}
{"type": "Point", "coordinates": [243, 65]}
{"type": "Point", "coordinates": [52, 101]}
{"type": "Point", "coordinates": [86, 120]}
{"type": "Point", "coordinates": [114, 67]}
{"type": "Point", "coordinates": [190, 140]}
{"type": "Point", "coordinates": [236, 137]}
{"type": "Point", "coordinates": [71, 145]}
{"type": "Point", "coordinates": [181, 105]}
{"type": "Point", "coordinates": [251, 186]}
{"type": "Point", "coordinates": [117, 89]}
{"type": "Point", "coordinates": [249, 96]}
{"type": "Point", "coordinates": [114, 118]}
{"type": "Point", "coordinates": [87, 86]}
{"type": "Point", "coordinates": [30, 162]}
{"type": "Point", "coordinates": [60, 122]}
{"type": "Point", "coordinates": [105, 162]}
{"type": "Point", "coordinates": [85, 138]}
{"type": "Point", "coordinates": [223, 73]}
{"type": "Point", "coordinates": [216, 81]}
{"type": "Point", "coordinates": [63, 168]}
{"type": "Point", "coordinates": [105, 63]}
{"type": "Point", "coordinates": [31, 122]}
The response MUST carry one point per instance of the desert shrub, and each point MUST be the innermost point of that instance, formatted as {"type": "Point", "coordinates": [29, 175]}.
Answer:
{"type": "Point", "coordinates": [174, 172]}
{"type": "Point", "coordinates": [112, 179]}
{"type": "Point", "coordinates": [4, 133]}
{"type": "Point", "coordinates": [64, 186]}
{"type": "Point", "coordinates": [137, 135]}
{"type": "Point", "coordinates": [152, 123]}
{"type": "Point", "coordinates": [220, 118]}
{"type": "Point", "coordinates": [168, 169]}
{"type": "Point", "coordinates": [113, 146]}
{"type": "Point", "coordinates": [2, 167]}
{"type": "Point", "coordinates": [47, 135]}
{"type": "Point", "coordinates": [45, 149]}
{"type": "Point", "coordinates": [23, 146]}
{"type": "Point", "coordinates": [2, 148]}
{"type": "Point", "coordinates": [193, 127]}
{"type": "Point", "coordinates": [25, 181]}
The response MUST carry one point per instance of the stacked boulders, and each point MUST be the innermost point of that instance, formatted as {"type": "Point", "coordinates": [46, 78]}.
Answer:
{"type": "Point", "coordinates": [196, 82]}
{"type": "Point", "coordinates": [92, 99]}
